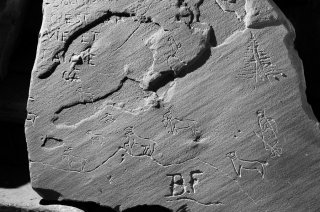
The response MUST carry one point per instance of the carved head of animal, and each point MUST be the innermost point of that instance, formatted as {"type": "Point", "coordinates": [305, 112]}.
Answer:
{"type": "Point", "coordinates": [260, 113]}
{"type": "Point", "coordinates": [231, 155]}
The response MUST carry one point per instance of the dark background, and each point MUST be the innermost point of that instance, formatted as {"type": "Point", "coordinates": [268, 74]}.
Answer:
{"type": "Point", "coordinates": [303, 14]}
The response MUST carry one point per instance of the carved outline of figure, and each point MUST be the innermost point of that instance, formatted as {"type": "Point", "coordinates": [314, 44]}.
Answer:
{"type": "Point", "coordinates": [77, 59]}
{"type": "Point", "coordinates": [268, 134]}
{"type": "Point", "coordinates": [239, 164]}
{"type": "Point", "coordinates": [132, 139]}
{"type": "Point", "coordinates": [74, 161]}
{"type": "Point", "coordinates": [175, 124]}
{"type": "Point", "coordinates": [192, 12]}
{"type": "Point", "coordinates": [263, 67]}
{"type": "Point", "coordinates": [262, 62]}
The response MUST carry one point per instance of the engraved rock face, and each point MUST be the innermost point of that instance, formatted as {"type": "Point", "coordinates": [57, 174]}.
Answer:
{"type": "Point", "coordinates": [196, 104]}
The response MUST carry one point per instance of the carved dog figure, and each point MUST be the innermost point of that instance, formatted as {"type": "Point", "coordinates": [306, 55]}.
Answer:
{"type": "Point", "coordinates": [176, 124]}
{"type": "Point", "coordinates": [239, 164]}
{"type": "Point", "coordinates": [136, 145]}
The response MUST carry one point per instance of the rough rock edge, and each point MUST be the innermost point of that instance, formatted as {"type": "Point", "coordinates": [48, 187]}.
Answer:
{"type": "Point", "coordinates": [273, 16]}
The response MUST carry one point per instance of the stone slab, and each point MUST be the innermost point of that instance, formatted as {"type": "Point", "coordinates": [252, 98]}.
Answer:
{"type": "Point", "coordinates": [197, 104]}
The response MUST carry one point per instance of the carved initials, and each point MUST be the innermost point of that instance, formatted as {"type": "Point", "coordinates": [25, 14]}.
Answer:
{"type": "Point", "coordinates": [180, 186]}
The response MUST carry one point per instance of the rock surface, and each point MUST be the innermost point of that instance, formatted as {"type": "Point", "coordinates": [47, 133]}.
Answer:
{"type": "Point", "coordinates": [197, 104]}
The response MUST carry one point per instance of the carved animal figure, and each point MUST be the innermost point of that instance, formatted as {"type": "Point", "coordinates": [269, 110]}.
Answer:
{"type": "Point", "coordinates": [268, 134]}
{"type": "Point", "coordinates": [239, 164]}
{"type": "Point", "coordinates": [136, 145]}
{"type": "Point", "coordinates": [75, 163]}
{"type": "Point", "coordinates": [176, 124]}
{"type": "Point", "coordinates": [189, 10]}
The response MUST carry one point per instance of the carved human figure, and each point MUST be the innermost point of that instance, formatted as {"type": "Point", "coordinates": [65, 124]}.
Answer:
{"type": "Point", "coordinates": [268, 134]}
{"type": "Point", "coordinates": [136, 145]}
{"type": "Point", "coordinates": [239, 164]}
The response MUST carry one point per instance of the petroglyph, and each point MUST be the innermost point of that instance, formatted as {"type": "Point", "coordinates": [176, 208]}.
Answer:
{"type": "Point", "coordinates": [268, 134]}
{"type": "Point", "coordinates": [137, 102]}
{"type": "Point", "coordinates": [136, 145]}
{"type": "Point", "coordinates": [73, 34]}
{"type": "Point", "coordinates": [188, 11]}
{"type": "Point", "coordinates": [175, 125]}
{"type": "Point", "coordinates": [74, 162]}
{"type": "Point", "coordinates": [169, 54]}
{"type": "Point", "coordinates": [252, 165]}
{"type": "Point", "coordinates": [258, 64]}
{"type": "Point", "coordinates": [233, 6]}
{"type": "Point", "coordinates": [85, 57]}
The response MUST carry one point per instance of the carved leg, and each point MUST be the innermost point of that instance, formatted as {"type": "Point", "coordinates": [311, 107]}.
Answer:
{"type": "Point", "coordinates": [239, 172]}
{"type": "Point", "coordinates": [149, 149]}
{"type": "Point", "coordinates": [267, 147]}
{"type": "Point", "coordinates": [261, 170]}
{"type": "Point", "coordinates": [127, 145]}
{"type": "Point", "coordinates": [171, 128]}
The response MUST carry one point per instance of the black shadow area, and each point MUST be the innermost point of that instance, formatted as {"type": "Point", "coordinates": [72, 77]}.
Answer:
{"type": "Point", "coordinates": [14, 86]}
{"type": "Point", "coordinates": [305, 17]}
{"type": "Point", "coordinates": [13, 156]}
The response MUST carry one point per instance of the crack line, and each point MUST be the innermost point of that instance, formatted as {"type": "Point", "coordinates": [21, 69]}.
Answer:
{"type": "Point", "coordinates": [216, 203]}
{"type": "Point", "coordinates": [131, 34]}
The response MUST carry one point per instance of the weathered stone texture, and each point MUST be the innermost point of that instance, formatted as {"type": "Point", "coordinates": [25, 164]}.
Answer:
{"type": "Point", "coordinates": [174, 102]}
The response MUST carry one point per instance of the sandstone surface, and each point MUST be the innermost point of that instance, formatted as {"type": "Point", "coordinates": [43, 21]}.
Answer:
{"type": "Point", "coordinates": [179, 103]}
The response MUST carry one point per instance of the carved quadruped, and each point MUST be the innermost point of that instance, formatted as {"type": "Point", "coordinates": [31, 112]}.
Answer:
{"type": "Point", "coordinates": [252, 165]}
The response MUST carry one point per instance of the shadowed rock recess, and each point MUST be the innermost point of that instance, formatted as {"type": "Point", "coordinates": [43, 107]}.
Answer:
{"type": "Point", "coordinates": [187, 104]}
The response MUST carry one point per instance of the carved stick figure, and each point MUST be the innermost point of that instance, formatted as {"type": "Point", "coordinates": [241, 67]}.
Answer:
{"type": "Point", "coordinates": [239, 164]}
